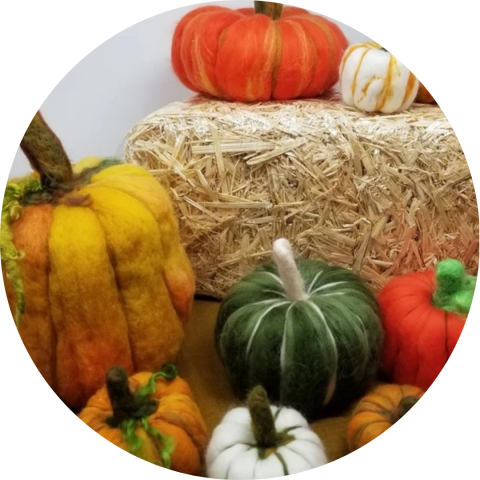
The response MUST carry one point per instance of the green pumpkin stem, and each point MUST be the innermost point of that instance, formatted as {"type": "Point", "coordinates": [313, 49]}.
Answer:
{"type": "Point", "coordinates": [287, 268]}
{"type": "Point", "coordinates": [46, 155]}
{"type": "Point", "coordinates": [454, 288]}
{"type": "Point", "coordinates": [263, 423]}
{"type": "Point", "coordinates": [406, 405]}
{"type": "Point", "coordinates": [272, 9]}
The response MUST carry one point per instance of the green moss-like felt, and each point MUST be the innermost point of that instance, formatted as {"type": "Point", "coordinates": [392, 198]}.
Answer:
{"type": "Point", "coordinates": [308, 354]}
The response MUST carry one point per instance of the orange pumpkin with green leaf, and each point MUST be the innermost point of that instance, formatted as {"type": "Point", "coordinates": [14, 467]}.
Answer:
{"type": "Point", "coordinates": [152, 416]}
{"type": "Point", "coordinates": [93, 267]}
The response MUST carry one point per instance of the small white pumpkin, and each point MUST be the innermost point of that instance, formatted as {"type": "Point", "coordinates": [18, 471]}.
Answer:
{"type": "Point", "coordinates": [262, 441]}
{"type": "Point", "coordinates": [373, 80]}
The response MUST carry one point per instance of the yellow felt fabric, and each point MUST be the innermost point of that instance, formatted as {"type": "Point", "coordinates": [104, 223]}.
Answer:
{"type": "Point", "coordinates": [178, 273]}
{"type": "Point", "coordinates": [134, 242]}
{"type": "Point", "coordinates": [200, 366]}
{"type": "Point", "coordinates": [87, 162]}
{"type": "Point", "coordinates": [88, 317]}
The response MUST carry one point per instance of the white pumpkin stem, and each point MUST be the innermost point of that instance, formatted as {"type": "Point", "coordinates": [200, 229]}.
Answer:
{"type": "Point", "coordinates": [287, 268]}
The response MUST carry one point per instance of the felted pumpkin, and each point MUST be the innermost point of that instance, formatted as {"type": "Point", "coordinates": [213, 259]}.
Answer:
{"type": "Point", "coordinates": [93, 267]}
{"type": "Point", "coordinates": [152, 416]}
{"type": "Point", "coordinates": [423, 316]}
{"type": "Point", "coordinates": [373, 80]}
{"type": "Point", "coordinates": [378, 411]}
{"type": "Point", "coordinates": [262, 441]}
{"type": "Point", "coordinates": [307, 331]}
{"type": "Point", "coordinates": [250, 55]}
{"type": "Point", "coordinates": [423, 95]}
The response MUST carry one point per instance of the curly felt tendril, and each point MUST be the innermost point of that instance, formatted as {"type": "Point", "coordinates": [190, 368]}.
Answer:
{"type": "Point", "coordinates": [131, 410]}
{"type": "Point", "coordinates": [15, 193]}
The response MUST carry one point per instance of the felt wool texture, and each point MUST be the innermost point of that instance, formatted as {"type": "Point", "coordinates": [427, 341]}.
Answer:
{"type": "Point", "coordinates": [373, 80]}
{"type": "Point", "coordinates": [378, 411]}
{"type": "Point", "coordinates": [263, 441]}
{"type": "Point", "coordinates": [151, 416]}
{"type": "Point", "coordinates": [423, 95]}
{"type": "Point", "coordinates": [104, 277]}
{"type": "Point", "coordinates": [423, 314]}
{"type": "Point", "coordinates": [256, 55]}
{"type": "Point", "coordinates": [314, 352]}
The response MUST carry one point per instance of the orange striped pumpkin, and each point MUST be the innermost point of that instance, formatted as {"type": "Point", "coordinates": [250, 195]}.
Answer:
{"type": "Point", "coordinates": [248, 55]}
{"type": "Point", "coordinates": [373, 80]}
{"type": "Point", "coordinates": [378, 411]}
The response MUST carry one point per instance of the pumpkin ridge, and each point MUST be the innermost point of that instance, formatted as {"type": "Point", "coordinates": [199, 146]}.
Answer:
{"type": "Point", "coordinates": [359, 432]}
{"type": "Point", "coordinates": [331, 387]}
{"type": "Point", "coordinates": [278, 55]}
{"type": "Point", "coordinates": [357, 71]}
{"type": "Point", "coordinates": [412, 82]}
{"type": "Point", "coordinates": [432, 319]}
{"type": "Point", "coordinates": [318, 21]}
{"type": "Point", "coordinates": [258, 324]}
{"type": "Point", "coordinates": [314, 62]}
{"type": "Point", "coordinates": [399, 347]}
{"type": "Point", "coordinates": [282, 461]}
{"type": "Point", "coordinates": [184, 418]}
{"type": "Point", "coordinates": [375, 404]}
{"type": "Point", "coordinates": [143, 309]}
{"type": "Point", "coordinates": [121, 299]}
{"type": "Point", "coordinates": [90, 334]}
{"type": "Point", "coordinates": [420, 326]}
{"type": "Point", "coordinates": [386, 85]}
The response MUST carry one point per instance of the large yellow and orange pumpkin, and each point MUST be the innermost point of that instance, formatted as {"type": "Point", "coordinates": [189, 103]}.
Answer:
{"type": "Point", "coordinates": [248, 55]}
{"type": "Point", "coordinates": [378, 411]}
{"type": "Point", "coordinates": [93, 267]}
{"type": "Point", "coordinates": [423, 314]}
{"type": "Point", "coordinates": [152, 416]}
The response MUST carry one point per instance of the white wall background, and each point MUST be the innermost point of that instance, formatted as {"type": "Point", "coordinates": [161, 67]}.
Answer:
{"type": "Point", "coordinates": [120, 82]}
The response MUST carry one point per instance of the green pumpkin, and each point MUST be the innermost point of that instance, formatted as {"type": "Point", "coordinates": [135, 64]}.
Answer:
{"type": "Point", "coordinates": [309, 332]}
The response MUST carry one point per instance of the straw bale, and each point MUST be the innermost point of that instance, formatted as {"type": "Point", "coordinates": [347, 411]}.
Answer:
{"type": "Point", "coordinates": [380, 194]}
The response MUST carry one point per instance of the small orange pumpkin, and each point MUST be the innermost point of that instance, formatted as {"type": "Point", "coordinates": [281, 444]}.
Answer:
{"type": "Point", "coordinates": [423, 95]}
{"type": "Point", "coordinates": [378, 411]}
{"type": "Point", "coordinates": [152, 416]}
{"type": "Point", "coordinates": [423, 314]}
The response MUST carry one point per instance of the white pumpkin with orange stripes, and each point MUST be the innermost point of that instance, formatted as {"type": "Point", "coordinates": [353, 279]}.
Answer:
{"type": "Point", "coordinates": [373, 80]}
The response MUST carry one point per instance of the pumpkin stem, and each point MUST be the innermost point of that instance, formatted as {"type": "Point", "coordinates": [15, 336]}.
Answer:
{"type": "Point", "coordinates": [271, 9]}
{"type": "Point", "coordinates": [125, 404]}
{"type": "Point", "coordinates": [288, 270]}
{"type": "Point", "coordinates": [263, 423]}
{"type": "Point", "coordinates": [406, 405]}
{"type": "Point", "coordinates": [132, 409]}
{"type": "Point", "coordinates": [454, 288]}
{"type": "Point", "coordinates": [46, 155]}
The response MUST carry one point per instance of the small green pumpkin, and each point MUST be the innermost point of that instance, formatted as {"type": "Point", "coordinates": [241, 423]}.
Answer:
{"type": "Point", "coordinates": [309, 332]}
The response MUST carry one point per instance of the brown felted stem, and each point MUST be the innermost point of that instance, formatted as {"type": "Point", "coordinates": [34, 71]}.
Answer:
{"type": "Point", "coordinates": [406, 404]}
{"type": "Point", "coordinates": [271, 9]}
{"type": "Point", "coordinates": [125, 404]}
{"type": "Point", "coordinates": [46, 155]}
{"type": "Point", "coordinates": [263, 423]}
